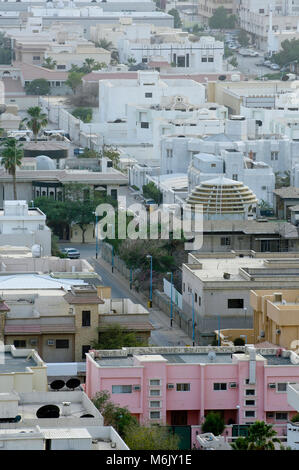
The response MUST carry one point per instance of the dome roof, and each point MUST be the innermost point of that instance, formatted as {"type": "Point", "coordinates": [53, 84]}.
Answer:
{"type": "Point", "coordinates": [45, 163]}
{"type": "Point", "coordinates": [222, 196]}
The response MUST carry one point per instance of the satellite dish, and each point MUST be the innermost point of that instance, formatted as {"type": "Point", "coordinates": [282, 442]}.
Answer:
{"type": "Point", "coordinates": [57, 384]}
{"type": "Point", "coordinates": [48, 411]}
{"type": "Point", "coordinates": [73, 383]}
{"type": "Point", "coordinates": [87, 415]}
{"type": "Point", "coordinates": [211, 355]}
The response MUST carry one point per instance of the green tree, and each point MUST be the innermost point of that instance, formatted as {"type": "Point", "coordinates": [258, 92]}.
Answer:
{"type": "Point", "coordinates": [6, 53]}
{"type": "Point", "coordinates": [40, 86]}
{"type": "Point", "coordinates": [114, 57]}
{"type": "Point", "coordinates": [104, 44]}
{"type": "Point", "coordinates": [118, 417]}
{"type": "Point", "coordinates": [261, 436]}
{"type": "Point", "coordinates": [282, 181]}
{"type": "Point", "coordinates": [74, 80]}
{"type": "Point", "coordinates": [243, 38]}
{"type": "Point", "coordinates": [84, 114]}
{"type": "Point", "coordinates": [239, 342]}
{"type": "Point", "coordinates": [36, 120]}
{"type": "Point", "coordinates": [82, 214]}
{"type": "Point", "coordinates": [214, 423]}
{"type": "Point", "coordinates": [57, 214]}
{"type": "Point", "coordinates": [150, 191]}
{"type": "Point", "coordinates": [295, 418]}
{"type": "Point", "coordinates": [90, 64]}
{"type": "Point", "coordinates": [49, 63]}
{"type": "Point", "coordinates": [11, 158]}
{"type": "Point", "coordinates": [134, 253]}
{"type": "Point", "coordinates": [112, 153]}
{"type": "Point", "coordinates": [116, 337]}
{"type": "Point", "coordinates": [289, 52]}
{"type": "Point", "coordinates": [151, 437]}
{"type": "Point", "coordinates": [221, 19]}
{"type": "Point", "coordinates": [177, 23]}
{"type": "Point", "coordinates": [233, 61]}
{"type": "Point", "coordinates": [131, 61]}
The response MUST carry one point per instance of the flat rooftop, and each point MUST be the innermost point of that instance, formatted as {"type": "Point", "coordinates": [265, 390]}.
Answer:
{"type": "Point", "coordinates": [213, 269]}
{"type": "Point", "coordinates": [196, 358]}
{"type": "Point", "coordinates": [35, 281]}
{"type": "Point", "coordinates": [15, 364]}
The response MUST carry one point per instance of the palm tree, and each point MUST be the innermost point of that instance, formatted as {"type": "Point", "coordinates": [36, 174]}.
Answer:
{"type": "Point", "coordinates": [12, 155]}
{"type": "Point", "coordinates": [104, 44]}
{"type": "Point", "coordinates": [131, 61]}
{"type": "Point", "coordinates": [37, 120]}
{"type": "Point", "coordinates": [261, 436]}
{"type": "Point", "coordinates": [49, 63]}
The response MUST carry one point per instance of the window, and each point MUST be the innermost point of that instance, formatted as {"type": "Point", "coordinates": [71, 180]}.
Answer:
{"type": "Point", "coordinates": [195, 297]}
{"type": "Point", "coordinates": [155, 393]}
{"type": "Point", "coordinates": [154, 382]}
{"type": "Point", "coordinates": [183, 387]}
{"type": "Point", "coordinates": [225, 241]}
{"type": "Point", "coordinates": [85, 349]}
{"type": "Point", "coordinates": [86, 318]}
{"type": "Point", "coordinates": [62, 344]}
{"type": "Point", "coordinates": [184, 287]}
{"type": "Point", "coordinates": [235, 303]}
{"type": "Point", "coordinates": [281, 416]}
{"type": "Point", "coordinates": [144, 60]}
{"type": "Point", "coordinates": [169, 153]}
{"type": "Point", "coordinates": [250, 402]}
{"type": "Point", "coordinates": [144, 125]}
{"type": "Point", "coordinates": [220, 386]}
{"type": "Point", "coordinates": [61, 67]}
{"type": "Point", "coordinates": [274, 155]}
{"type": "Point", "coordinates": [235, 177]}
{"type": "Point", "coordinates": [57, 83]}
{"type": "Point", "coordinates": [281, 387]}
{"type": "Point", "coordinates": [250, 391]}
{"type": "Point", "coordinates": [121, 388]}
{"type": "Point", "coordinates": [199, 300]}
{"type": "Point", "coordinates": [210, 59]}
{"type": "Point", "coordinates": [19, 343]}
{"type": "Point", "coordinates": [155, 404]}
{"type": "Point", "coordinates": [155, 415]}
{"type": "Point", "coordinates": [261, 10]}
{"type": "Point", "coordinates": [250, 414]}
{"type": "Point", "coordinates": [204, 59]}
{"type": "Point", "coordinates": [148, 95]}
{"type": "Point", "coordinates": [36, 57]}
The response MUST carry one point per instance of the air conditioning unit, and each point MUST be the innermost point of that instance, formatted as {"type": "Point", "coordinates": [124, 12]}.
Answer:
{"type": "Point", "coordinates": [170, 386]}
{"type": "Point", "coordinates": [262, 334]}
{"type": "Point", "coordinates": [233, 385]}
{"type": "Point", "coordinates": [50, 342]}
{"type": "Point", "coordinates": [272, 386]}
{"type": "Point", "coordinates": [33, 342]}
{"type": "Point", "coordinates": [137, 387]}
{"type": "Point", "coordinates": [71, 310]}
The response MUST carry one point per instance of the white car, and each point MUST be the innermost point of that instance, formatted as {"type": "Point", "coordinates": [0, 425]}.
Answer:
{"type": "Point", "coordinates": [274, 67]}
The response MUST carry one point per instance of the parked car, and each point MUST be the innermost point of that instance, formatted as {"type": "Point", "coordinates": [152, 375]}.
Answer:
{"type": "Point", "coordinates": [72, 253]}
{"type": "Point", "coordinates": [267, 63]}
{"type": "Point", "coordinates": [274, 67]}
{"type": "Point", "coordinates": [78, 151]}
{"type": "Point", "coordinates": [260, 64]}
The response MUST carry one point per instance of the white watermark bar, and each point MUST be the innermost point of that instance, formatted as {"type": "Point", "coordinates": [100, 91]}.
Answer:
{"type": "Point", "coordinates": [166, 221]}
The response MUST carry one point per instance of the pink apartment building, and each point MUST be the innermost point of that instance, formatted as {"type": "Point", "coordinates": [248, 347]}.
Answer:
{"type": "Point", "coordinates": [180, 385]}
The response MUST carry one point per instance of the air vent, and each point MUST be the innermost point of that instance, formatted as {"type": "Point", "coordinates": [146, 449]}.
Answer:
{"type": "Point", "coordinates": [170, 386]}
{"type": "Point", "coordinates": [50, 342]}
{"type": "Point", "coordinates": [272, 386]}
{"type": "Point", "coordinates": [137, 388]}
{"type": "Point", "coordinates": [233, 385]}
{"type": "Point", "coordinates": [33, 342]}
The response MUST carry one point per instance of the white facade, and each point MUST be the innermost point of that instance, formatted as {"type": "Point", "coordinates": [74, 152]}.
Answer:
{"type": "Point", "coordinates": [21, 226]}
{"type": "Point", "coordinates": [148, 89]}
{"type": "Point", "coordinates": [204, 55]}
{"type": "Point", "coordinates": [232, 164]}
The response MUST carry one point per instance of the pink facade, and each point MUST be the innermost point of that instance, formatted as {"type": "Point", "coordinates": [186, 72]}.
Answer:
{"type": "Point", "coordinates": [191, 385]}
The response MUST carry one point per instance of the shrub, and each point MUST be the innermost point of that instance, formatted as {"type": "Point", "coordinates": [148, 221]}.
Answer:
{"type": "Point", "coordinates": [239, 342]}
{"type": "Point", "coordinates": [295, 418]}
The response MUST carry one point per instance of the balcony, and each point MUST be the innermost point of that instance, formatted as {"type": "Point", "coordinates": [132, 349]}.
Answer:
{"type": "Point", "coordinates": [293, 395]}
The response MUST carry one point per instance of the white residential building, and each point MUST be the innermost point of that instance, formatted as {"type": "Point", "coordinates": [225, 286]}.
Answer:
{"type": "Point", "coordinates": [175, 47]}
{"type": "Point", "coordinates": [147, 89]}
{"type": "Point", "coordinates": [21, 226]}
{"type": "Point", "coordinates": [261, 18]}
{"type": "Point", "coordinates": [232, 164]}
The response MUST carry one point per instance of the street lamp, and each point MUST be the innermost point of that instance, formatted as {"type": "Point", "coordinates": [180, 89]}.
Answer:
{"type": "Point", "coordinates": [171, 307]}
{"type": "Point", "coordinates": [193, 326]}
{"type": "Point", "coordinates": [150, 302]}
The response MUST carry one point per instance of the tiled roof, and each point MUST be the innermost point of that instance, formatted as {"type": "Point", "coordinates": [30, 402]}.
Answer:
{"type": "Point", "coordinates": [39, 329]}
{"type": "Point", "coordinates": [82, 299]}
{"type": "Point", "coordinates": [31, 72]}
{"type": "Point", "coordinates": [64, 176]}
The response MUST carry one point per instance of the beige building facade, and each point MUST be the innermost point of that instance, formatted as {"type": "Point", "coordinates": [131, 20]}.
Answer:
{"type": "Point", "coordinates": [276, 317]}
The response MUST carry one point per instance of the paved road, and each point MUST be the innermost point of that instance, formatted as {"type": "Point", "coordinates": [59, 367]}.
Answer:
{"type": "Point", "coordinates": [163, 335]}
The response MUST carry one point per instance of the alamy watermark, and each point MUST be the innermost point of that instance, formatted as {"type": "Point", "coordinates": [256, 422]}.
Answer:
{"type": "Point", "coordinates": [162, 222]}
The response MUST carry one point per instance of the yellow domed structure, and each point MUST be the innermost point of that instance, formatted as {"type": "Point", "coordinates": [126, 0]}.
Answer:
{"type": "Point", "coordinates": [223, 199]}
